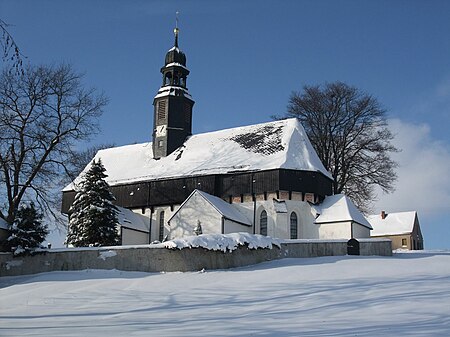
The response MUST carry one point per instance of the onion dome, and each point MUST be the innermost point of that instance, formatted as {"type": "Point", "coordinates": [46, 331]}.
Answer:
{"type": "Point", "coordinates": [175, 55]}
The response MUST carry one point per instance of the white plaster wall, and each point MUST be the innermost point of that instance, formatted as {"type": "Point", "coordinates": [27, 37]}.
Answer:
{"type": "Point", "coordinates": [341, 230]}
{"type": "Point", "coordinates": [360, 231]}
{"type": "Point", "coordinates": [306, 229]}
{"type": "Point", "coordinates": [132, 237]}
{"type": "Point", "coordinates": [281, 229]}
{"type": "Point", "coordinates": [155, 219]}
{"type": "Point", "coordinates": [234, 227]}
{"type": "Point", "coordinates": [278, 224]}
{"type": "Point", "coordinates": [194, 210]}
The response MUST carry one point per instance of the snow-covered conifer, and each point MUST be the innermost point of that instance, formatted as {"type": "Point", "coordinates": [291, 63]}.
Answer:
{"type": "Point", "coordinates": [93, 216]}
{"type": "Point", "coordinates": [27, 231]}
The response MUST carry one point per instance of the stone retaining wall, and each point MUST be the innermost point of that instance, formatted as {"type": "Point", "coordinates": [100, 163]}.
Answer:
{"type": "Point", "coordinates": [150, 259]}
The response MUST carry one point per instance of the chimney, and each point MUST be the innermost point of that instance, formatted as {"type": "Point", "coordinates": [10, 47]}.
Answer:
{"type": "Point", "coordinates": [383, 215]}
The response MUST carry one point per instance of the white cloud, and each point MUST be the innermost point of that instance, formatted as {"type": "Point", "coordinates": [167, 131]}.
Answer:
{"type": "Point", "coordinates": [423, 173]}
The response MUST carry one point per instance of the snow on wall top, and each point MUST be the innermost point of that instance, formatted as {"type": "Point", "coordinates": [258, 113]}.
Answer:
{"type": "Point", "coordinates": [132, 220]}
{"type": "Point", "coordinates": [279, 144]}
{"type": "Point", "coordinates": [223, 242]}
{"type": "Point", "coordinates": [393, 223]}
{"type": "Point", "coordinates": [224, 208]}
{"type": "Point", "coordinates": [338, 208]}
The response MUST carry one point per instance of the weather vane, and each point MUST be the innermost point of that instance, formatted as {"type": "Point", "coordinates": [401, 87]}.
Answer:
{"type": "Point", "coordinates": [176, 30]}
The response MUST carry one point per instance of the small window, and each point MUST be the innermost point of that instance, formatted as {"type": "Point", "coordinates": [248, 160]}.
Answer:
{"type": "Point", "coordinates": [404, 243]}
{"type": "Point", "coordinates": [161, 226]}
{"type": "Point", "coordinates": [263, 223]}
{"type": "Point", "coordinates": [293, 226]}
{"type": "Point", "coordinates": [160, 143]}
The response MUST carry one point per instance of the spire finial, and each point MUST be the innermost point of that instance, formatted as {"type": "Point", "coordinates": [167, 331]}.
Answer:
{"type": "Point", "coordinates": [176, 30]}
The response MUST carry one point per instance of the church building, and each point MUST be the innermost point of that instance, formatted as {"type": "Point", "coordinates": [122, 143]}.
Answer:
{"type": "Point", "coordinates": [262, 179]}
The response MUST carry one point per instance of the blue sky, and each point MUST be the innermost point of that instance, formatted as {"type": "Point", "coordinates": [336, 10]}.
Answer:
{"type": "Point", "coordinates": [246, 57]}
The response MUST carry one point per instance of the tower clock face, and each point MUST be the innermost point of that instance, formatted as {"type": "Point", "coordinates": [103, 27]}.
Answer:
{"type": "Point", "coordinates": [161, 130]}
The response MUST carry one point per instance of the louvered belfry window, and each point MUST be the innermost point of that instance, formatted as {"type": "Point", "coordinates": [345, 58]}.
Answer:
{"type": "Point", "coordinates": [161, 110]}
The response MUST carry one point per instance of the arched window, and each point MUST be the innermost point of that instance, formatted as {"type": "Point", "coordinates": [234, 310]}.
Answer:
{"type": "Point", "coordinates": [294, 222]}
{"type": "Point", "coordinates": [161, 226]}
{"type": "Point", "coordinates": [263, 223]}
{"type": "Point", "coordinates": [167, 79]}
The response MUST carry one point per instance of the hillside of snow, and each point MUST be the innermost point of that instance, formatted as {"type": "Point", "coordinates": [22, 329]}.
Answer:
{"type": "Point", "coordinates": [407, 294]}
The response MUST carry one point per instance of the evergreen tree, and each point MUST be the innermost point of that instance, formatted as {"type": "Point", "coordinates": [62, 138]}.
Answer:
{"type": "Point", "coordinates": [93, 216]}
{"type": "Point", "coordinates": [27, 231]}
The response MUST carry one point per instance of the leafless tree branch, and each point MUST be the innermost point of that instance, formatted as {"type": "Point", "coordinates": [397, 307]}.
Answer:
{"type": "Point", "coordinates": [348, 130]}
{"type": "Point", "coordinates": [44, 112]}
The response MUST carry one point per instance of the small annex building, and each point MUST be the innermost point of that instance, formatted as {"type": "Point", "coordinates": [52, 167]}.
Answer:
{"type": "Point", "coordinates": [403, 228]}
{"type": "Point", "coordinates": [133, 227]}
{"type": "Point", "coordinates": [213, 214]}
{"type": "Point", "coordinates": [264, 178]}
{"type": "Point", "coordinates": [338, 217]}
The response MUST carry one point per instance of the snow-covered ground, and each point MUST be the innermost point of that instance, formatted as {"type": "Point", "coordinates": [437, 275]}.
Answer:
{"type": "Point", "coordinates": [407, 294]}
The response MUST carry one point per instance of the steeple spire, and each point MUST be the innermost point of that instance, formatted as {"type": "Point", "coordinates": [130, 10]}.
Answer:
{"type": "Point", "coordinates": [172, 114]}
{"type": "Point", "coordinates": [176, 30]}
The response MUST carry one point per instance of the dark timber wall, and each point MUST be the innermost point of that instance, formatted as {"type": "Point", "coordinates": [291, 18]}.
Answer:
{"type": "Point", "coordinates": [175, 191]}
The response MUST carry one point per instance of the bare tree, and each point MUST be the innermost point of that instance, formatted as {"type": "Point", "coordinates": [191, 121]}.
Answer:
{"type": "Point", "coordinates": [43, 113]}
{"type": "Point", "coordinates": [10, 49]}
{"type": "Point", "coordinates": [80, 159]}
{"type": "Point", "coordinates": [348, 130]}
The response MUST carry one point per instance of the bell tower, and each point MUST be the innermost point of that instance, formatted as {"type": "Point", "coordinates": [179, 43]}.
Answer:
{"type": "Point", "coordinates": [172, 117]}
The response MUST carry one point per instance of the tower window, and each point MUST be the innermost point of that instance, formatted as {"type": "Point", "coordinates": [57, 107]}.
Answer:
{"type": "Point", "coordinates": [293, 225]}
{"type": "Point", "coordinates": [167, 78]}
{"type": "Point", "coordinates": [160, 143]}
{"type": "Point", "coordinates": [263, 223]}
{"type": "Point", "coordinates": [161, 110]}
{"type": "Point", "coordinates": [161, 226]}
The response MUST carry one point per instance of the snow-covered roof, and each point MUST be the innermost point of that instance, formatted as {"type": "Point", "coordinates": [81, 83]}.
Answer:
{"type": "Point", "coordinates": [393, 223]}
{"type": "Point", "coordinates": [278, 144]}
{"type": "Point", "coordinates": [170, 90]}
{"type": "Point", "coordinates": [175, 64]}
{"type": "Point", "coordinates": [132, 220]}
{"type": "Point", "coordinates": [224, 208]}
{"type": "Point", "coordinates": [339, 208]}
{"type": "Point", "coordinates": [3, 224]}
{"type": "Point", "coordinates": [174, 48]}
